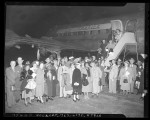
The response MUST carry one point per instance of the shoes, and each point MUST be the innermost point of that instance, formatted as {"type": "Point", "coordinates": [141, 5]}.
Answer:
{"type": "Point", "coordinates": [77, 99]}
{"type": "Point", "coordinates": [26, 104]}
{"type": "Point", "coordinates": [17, 100]}
{"type": "Point", "coordinates": [46, 99]}
{"type": "Point", "coordinates": [51, 98]}
{"type": "Point", "coordinates": [74, 100]}
{"type": "Point", "coordinates": [38, 100]}
{"type": "Point", "coordinates": [30, 103]}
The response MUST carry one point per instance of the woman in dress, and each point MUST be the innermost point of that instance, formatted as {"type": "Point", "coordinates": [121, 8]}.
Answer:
{"type": "Point", "coordinates": [54, 79]}
{"type": "Point", "coordinates": [39, 91]}
{"type": "Point", "coordinates": [125, 78]}
{"type": "Point", "coordinates": [25, 76]}
{"type": "Point", "coordinates": [84, 73]}
{"type": "Point", "coordinates": [96, 75]}
{"type": "Point", "coordinates": [49, 84]}
{"type": "Point", "coordinates": [101, 66]}
{"type": "Point", "coordinates": [33, 69]}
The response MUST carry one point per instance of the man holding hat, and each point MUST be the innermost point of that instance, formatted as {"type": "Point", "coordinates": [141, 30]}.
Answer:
{"type": "Point", "coordinates": [133, 75]}
{"type": "Point", "coordinates": [18, 82]}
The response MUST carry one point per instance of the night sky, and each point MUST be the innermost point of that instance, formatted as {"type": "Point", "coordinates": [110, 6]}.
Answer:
{"type": "Point", "coordinates": [37, 20]}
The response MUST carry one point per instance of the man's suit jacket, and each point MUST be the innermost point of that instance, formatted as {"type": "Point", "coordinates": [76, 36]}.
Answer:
{"type": "Point", "coordinates": [18, 82]}
{"type": "Point", "coordinates": [10, 76]}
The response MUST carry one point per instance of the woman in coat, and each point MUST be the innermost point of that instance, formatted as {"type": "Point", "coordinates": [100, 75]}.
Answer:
{"type": "Point", "coordinates": [84, 72]}
{"type": "Point", "coordinates": [76, 82]}
{"type": "Point", "coordinates": [39, 91]}
{"type": "Point", "coordinates": [11, 75]}
{"type": "Point", "coordinates": [125, 78]}
{"type": "Point", "coordinates": [25, 76]}
{"type": "Point", "coordinates": [96, 75]}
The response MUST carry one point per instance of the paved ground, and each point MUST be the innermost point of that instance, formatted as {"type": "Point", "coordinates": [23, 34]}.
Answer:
{"type": "Point", "coordinates": [105, 103]}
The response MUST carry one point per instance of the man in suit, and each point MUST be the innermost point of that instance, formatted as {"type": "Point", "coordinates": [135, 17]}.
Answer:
{"type": "Point", "coordinates": [18, 82]}
{"type": "Point", "coordinates": [11, 75]}
{"type": "Point", "coordinates": [113, 77]}
{"type": "Point", "coordinates": [118, 79]}
{"type": "Point", "coordinates": [133, 75]}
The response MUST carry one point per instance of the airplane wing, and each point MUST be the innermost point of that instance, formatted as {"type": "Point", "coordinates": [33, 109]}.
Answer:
{"type": "Point", "coordinates": [48, 43]}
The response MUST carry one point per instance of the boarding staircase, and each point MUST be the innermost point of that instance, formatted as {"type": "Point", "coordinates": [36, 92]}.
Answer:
{"type": "Point", "coordinates": [128, 38]}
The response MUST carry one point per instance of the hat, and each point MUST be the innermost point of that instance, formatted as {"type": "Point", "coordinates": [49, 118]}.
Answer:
{"type": "Point", "coordinates": [76, 60]}
{"type": "Point", "coordinates": [47, 59]}
{"type": "Point", "coordinates": [78, 63]}
{"type": "Point", "coordinates": [27, 62]}
{"type": "Point", "coordinates": [71, 57]}
{"type": "Point", "coordinates": [131, 59]}
{"type": "Point", "coordinates": [119, 60]}
{"type": "Point", "coordinates": [126, 61]}
{"type": "Point", "coordinates": [20, 59]}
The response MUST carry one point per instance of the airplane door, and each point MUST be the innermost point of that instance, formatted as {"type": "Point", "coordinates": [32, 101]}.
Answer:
{"type": "Point", "coordinates": [116, 24]}
{"type": "Point", "coordinates": [131, 26]}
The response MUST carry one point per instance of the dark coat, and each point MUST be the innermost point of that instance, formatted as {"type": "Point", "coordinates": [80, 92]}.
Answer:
{"type": "Point", "coordinates": [54, 82]}
{"type": "Point", "coordinates": [141, 88]}
{"type": "Point", "coordinates": [76, 77]}
{"type": "Point", "coordinates": [18, 80]}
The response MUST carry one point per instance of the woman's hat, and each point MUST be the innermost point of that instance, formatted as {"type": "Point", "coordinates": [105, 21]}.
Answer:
{"type": "Point", "coordinates": [126, 61]}
{"type": "Point", "coordinates": [119, 60]}
{"type": "Point", "coordinates": [47, 59]}
{"type": "Point", "coordinates": [20, 59]}
{"type": "Point", "coordinates": [131, 59]}
{"type": "Point", "coordinates": [27, 63]}
{"type": "Point", "coordinates": [71, 57]}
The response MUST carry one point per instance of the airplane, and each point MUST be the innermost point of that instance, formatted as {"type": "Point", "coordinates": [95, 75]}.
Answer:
{"type": "Point", "coordinates": [86, 36]}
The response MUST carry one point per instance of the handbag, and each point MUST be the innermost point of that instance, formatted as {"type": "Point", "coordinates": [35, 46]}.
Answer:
{"type": "Point", "coordinates": [125, 81]}
{"type": "Point", "coordinates": [85, 81]}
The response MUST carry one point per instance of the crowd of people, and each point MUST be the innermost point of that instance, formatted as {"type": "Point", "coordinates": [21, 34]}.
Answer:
{"type": "Point", "coordinates": [70, 77]}
{"type": "Point", "coordinates": [107, 46]}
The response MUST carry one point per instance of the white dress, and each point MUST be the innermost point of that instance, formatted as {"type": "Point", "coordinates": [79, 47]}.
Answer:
{"type": "Point", "coordinates": [96, 74]}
